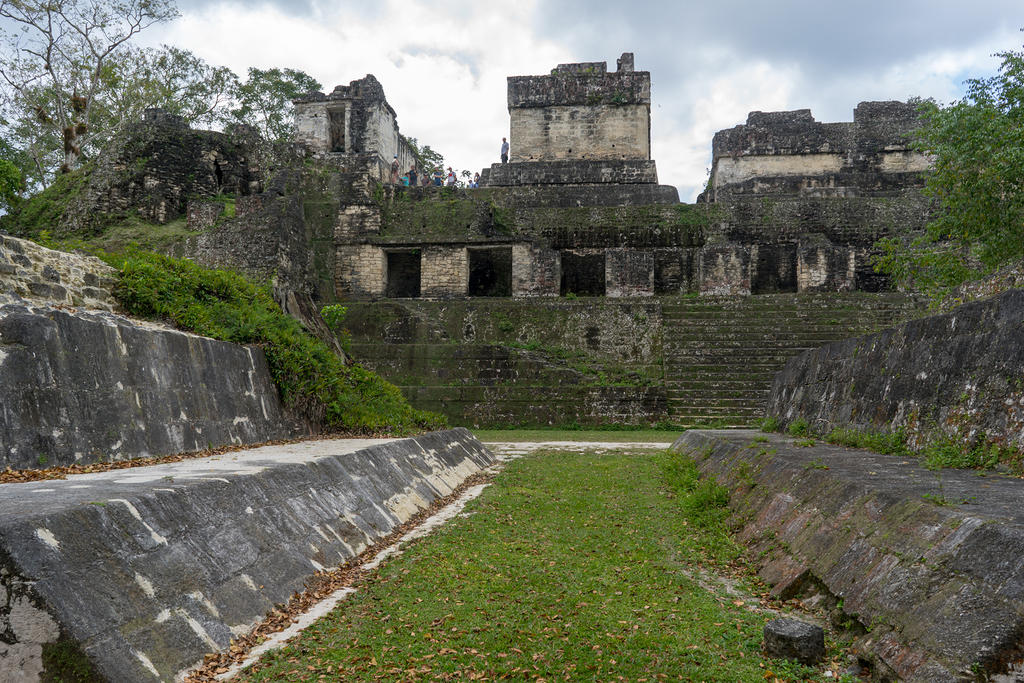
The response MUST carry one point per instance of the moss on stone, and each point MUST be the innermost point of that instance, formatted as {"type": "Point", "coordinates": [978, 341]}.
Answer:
{"type": "Point", "coordinates": [65, 662]}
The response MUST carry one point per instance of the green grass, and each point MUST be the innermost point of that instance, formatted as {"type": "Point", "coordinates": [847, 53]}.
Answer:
{"type": "Point", "coordinates": [569, 567]}
{"type": "Point", "coordinates": [617, 436]}
{"type": "Point", "coordinates": [130, 232]}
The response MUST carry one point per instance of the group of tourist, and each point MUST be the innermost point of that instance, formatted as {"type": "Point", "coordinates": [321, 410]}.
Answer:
{"type": "Point", "coordinates": [411, 178]}
{"type": "Point", "coordinates": [437, 178]}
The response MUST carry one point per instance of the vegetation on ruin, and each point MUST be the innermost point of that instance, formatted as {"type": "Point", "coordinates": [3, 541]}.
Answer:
{"type": "Point", "coordinates": [313, 381]}
{"type": "Point", "coordinates": [978, 185]}
{"type": "Point", "coordinates": [935, 450]}
{"type": "Point", "coordinates": [558, 572]}
{"type": "Point", "coordinates": [74, 77]}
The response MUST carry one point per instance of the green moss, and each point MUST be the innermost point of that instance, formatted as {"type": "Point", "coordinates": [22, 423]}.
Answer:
{"type": "Point", "coordinates": [131, 232]}
{"type": "Point", "coordinates": [65, 662]}
{"type": "Point", "coordinates": [43, 211]}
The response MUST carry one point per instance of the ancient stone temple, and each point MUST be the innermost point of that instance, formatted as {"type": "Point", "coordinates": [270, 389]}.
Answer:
{"type": "Point", "coordinates": [581, 124]}
{"type": "Point", "coordinates": [353, 120]}
{"type": "Point", "coordinates": [571, 274]}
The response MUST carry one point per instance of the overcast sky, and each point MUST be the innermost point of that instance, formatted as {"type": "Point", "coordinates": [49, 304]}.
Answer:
{"type": "Point", "coordinates": [443, 65]}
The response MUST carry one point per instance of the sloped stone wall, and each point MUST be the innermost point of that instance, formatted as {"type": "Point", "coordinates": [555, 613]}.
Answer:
{"type": "Point", "coordinates": [83, 387]}
{"type": "Point", "coordinates": [142, 572]}
{"type": "Point", "coordinates": [957, 374]}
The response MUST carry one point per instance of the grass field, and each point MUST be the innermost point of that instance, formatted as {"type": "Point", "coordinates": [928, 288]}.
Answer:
{"type": "Point", "coordinates": [570, 566]}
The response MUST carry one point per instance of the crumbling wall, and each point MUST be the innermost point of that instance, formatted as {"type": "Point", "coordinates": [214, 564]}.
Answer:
{"type": "Point", "coordinates": [353, 120]}
{"type": "Point", "coordinates": [789, 153]}
{"type": "Point", "coordinates": [956, 375]}
{"type": "Point", "coordinates": [155, 167]}
{"type": "Point", "coordinates": [32, 273]}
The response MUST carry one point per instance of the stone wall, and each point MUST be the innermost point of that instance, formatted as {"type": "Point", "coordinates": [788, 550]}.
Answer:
{"type": "Point", "coordinates": [936, 588]}
{"type": "Point", "coordinates": [87, 387]}
{"type": "Point", "coordinates": [789, 153]}
{"type": "Point", "coordinates": [580, 132]}
{"type": "Point", "coordinates": [155, 167]}
{"type": "Point", "coordinates": [574, 172]}
{"type": "Point", "coordinates": [32, 273]}
{"type": "Point", "coordinates": [138, 574]}
{"type": "Point", "coordinates": [956, 375]}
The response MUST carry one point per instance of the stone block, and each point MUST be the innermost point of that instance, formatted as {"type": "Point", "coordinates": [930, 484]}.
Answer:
{"type": "Point", "coordinates": [445, 271]}
{"type": "Point", "coordinates": [629, 272]}
{"type": "Point", "coordinates": [794, 639]}
{"type": "Point", "coordinates": [535, 271]}
{"type": "Point", "coordinates": [725, 269]}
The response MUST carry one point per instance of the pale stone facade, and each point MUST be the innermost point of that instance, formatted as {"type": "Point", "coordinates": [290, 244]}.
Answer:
{"type": "Point", "coordinates": [581, 132]}
{"type": "Point", "coordinates": [444, 271]}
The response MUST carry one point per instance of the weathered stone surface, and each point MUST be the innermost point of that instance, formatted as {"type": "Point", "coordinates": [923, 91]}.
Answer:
{"type": "Point", "coordinates": [492, 361]}
{"type": "Point", "coordinates": [941, 586]}
{"type": "Point", "coordinates": [86, 387]}
{"type": "Point", "coordinates": [572, 172]}
{"type": "Point", "coordinates": [354, 119]}
{"type": "Point", "coordinates": [155, 167]}
{"type": "Point", "coordinates": [789, 153]}
{"type": "Point", "coordinates": [31, 272]}
{"type": "Point", "coordinates": [957, 374]}
{"type": "Point", "coordinates": [145, 570]}
{"type": "Point", "coordinates": [794, 639]}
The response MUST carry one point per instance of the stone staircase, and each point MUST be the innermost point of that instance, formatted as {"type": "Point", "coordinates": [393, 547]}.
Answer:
{"type": "Point", "coordinates": [721, 353]}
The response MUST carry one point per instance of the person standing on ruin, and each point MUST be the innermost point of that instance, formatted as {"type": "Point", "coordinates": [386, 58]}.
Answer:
{"type": "Point", "coordinates": [412, 176]}
{"type": "Point", "coordinates": [394, 171]}
{"type": "Point", "coordinates": [504, 151]}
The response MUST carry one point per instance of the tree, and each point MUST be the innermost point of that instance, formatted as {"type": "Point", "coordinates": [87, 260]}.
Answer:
{"type": "Point", "coordinates": [169, 78]}
{"type": "Point", "coordinates": [426, 158]}
{"type": "Point", "coordinates": [265, 100]}
{"type": "Point", "coordinates": [56, 60]}
{"type": "Point", "coordinates": [978, 184]}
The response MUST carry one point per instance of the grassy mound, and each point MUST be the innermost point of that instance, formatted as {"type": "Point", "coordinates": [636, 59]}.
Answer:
{"type": "Point", "coordinates": [312, 380]}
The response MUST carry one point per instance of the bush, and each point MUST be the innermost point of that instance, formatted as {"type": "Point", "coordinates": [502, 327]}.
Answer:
{"type": "Point", "coordinates": [886, 443]}
{"type": "Point", "coordinates": [799, 427]}
{"type": "Point", "coordinates": [312, 380]}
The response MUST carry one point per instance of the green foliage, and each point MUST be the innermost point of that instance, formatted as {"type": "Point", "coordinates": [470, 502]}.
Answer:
{"type": "Point", "coordinates": [977, 181]}
{"type": "Point", "coordinates": [886, 443]}
{"type": "Point", "coordinates": [703, 501]}
{"type": "Point", "coordinates": [799, 427]}
{"type": "Point", "coordinates": [265, 100]}
{"type": "Point", "coordinates": [983, 455]}
{"type": "Point", "coordinates": [42, 211]}
{"type": "Point", "coordinates": [427, 159]}
{"type": "Point", "coordinates": [770, 424]}
{"type": "Point", "coordinates": [334, 317]}
{"type": "Point", "coordinates": [311, 379]}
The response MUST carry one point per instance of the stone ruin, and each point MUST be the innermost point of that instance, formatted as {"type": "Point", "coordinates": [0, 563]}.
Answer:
{"type": "Point", "coordinates": [354, 120]}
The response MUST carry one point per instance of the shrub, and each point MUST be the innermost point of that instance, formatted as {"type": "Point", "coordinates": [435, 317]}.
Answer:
{"type": "Point", "coordinates": [312, 380]}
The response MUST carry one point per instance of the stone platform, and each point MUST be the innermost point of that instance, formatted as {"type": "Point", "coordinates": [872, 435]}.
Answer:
{"type": "Point", "coordinates": [137, 573]}
{"type": "Point", "coordinates": [930, 563]}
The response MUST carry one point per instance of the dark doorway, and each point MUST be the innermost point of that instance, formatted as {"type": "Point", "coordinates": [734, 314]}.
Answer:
{"type": "Point", "coordinates": [775, 271]}
{"type": "Point", "coordinates": [582, 273]}
{"type": "Point", "coordinates": [403, 274]}
{"type": "Point", "coordinates": [337, 130]}
{"type": "Point", "coordinates": [490, 271]}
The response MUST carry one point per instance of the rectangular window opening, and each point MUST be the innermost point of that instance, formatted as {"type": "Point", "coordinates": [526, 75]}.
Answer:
{"type": "Point", "coordinates": [403, 274]}
{"type": "Point", "coordinates": [583, 274]}
{"type": "Point", "coordinates": [490, 271]}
